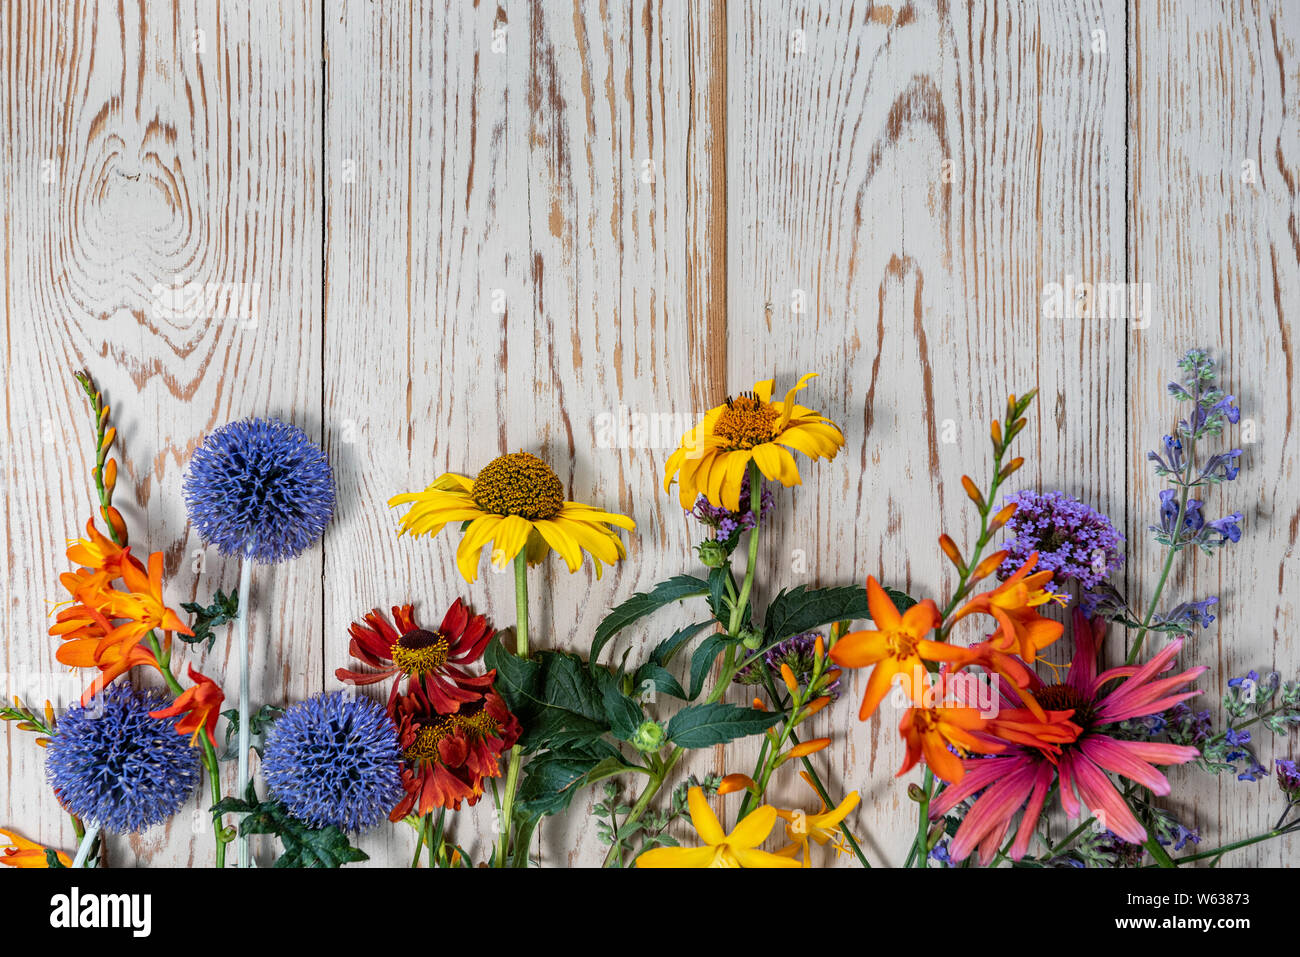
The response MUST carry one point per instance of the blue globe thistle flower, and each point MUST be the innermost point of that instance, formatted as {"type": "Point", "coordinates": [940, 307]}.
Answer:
{"type": "Point", "coordinates": [113, 765]}
{"type": "Point", "coordinates": [260, 488]}
{"type": "Point", "coordinates": [335, 759]}
{"type": "Point", "coordinates": [1073, 540]}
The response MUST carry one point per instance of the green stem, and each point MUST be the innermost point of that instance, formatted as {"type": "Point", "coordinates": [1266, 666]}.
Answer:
{"type": "Point", "coordinates": [1174, 549]}
{"type": "Point", "coordinates": [657, 778]}
{"type": "Point", "coordinates": [1237, 845]}
{"type": "Point", "coordinates": [419, 841]}
{"type": "Point", "coordinates": [923, 818]}
{"type": "Point", "coordinates": [516, 753]}
{"type": "Point", "coordinates": [1067, 840]}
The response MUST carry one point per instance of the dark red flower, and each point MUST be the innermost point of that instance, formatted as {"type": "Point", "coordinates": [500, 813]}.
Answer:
{"type": "Point", "coordinates": [448, 756]}
{"type": "Point", "coordinates": [432, 661]}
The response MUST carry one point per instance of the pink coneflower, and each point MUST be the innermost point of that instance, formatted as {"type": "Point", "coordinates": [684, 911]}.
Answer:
{"type": "Point", "coordinates": [1020, 777]}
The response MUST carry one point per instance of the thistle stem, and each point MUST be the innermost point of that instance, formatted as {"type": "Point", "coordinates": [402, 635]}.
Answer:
{"type": "Point", "coordinates": [83, 849]}
{"type": "Point", "coordinates": [245, 584]}
{"type": "Point", "coordinates": [516, 753]}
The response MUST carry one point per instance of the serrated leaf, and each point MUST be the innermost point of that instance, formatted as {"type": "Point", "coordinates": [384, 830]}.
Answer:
{"type": "Point", "coordinates": [702, 661]}
{"type": "Point", "coordinates": [642, 604]}
{"type": "Point", "coordinates": [666, 649]}
{"type": "Point", "coordinates": [624, 714]}
{"type": "Point", "coordinates": [703, 725]}
{"type": "Point", "coordinates": [222, 610]}
{"type": "Point", "coordinates": [654, 680]}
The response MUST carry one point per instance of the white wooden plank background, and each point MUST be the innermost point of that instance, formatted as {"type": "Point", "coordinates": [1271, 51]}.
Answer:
{"type": "Point", "coordinates": [481, 228]}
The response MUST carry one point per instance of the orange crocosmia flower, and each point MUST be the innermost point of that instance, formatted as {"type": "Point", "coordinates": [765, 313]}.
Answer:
{"type": "Point", "coordinates": [201, 705]}
{"type": "Point", "coordinates": [1020, 628]}
{"type": "Point", "coordinates": [142, 602]}
{"type": "Point", "coordinates": [1024, 727]}
{"type": "Point", "coordinates": [113, 662]}
{"type": "Point", "coordinates": [896, 647]}
{"type": "Point", "coordinates": [20, 852]}
{"type": "Point", "coordinates": [929, 731]}
{"type": "Point", "coordinates": [97, 551]}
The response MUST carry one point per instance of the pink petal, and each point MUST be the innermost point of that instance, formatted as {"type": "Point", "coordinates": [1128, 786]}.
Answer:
{"type": "Point", "coordinates": [1114, 756]}
{"type": "Point", "coordinates": [1105, 802]}
{"type": "Point", "coordinates": [992, 812]}
{"type": "Point", "coordinates": [980, 773]}
{"type": "Point", "coordinates": [1083, 669]}
{"type": "Point", "coordinates": [1029, 820]}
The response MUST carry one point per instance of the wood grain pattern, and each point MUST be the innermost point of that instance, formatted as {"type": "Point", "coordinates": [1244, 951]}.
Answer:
{"type": "Point", "coordinates": [1215, 148]}
{"type": "Point", "coordinates": [480, 228]}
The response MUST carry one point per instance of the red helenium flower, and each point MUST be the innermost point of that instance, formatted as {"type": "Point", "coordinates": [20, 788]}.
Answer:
{"type": "Point", "coordinates": [432, 661]}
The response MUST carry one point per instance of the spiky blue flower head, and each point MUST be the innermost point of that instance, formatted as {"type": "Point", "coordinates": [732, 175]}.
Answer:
{"type": "Point", "coordinates": [261, 488]}
{"type": "Point", "coordinates": [113, 765]}
{"type": "Point", "coordinates": [335, 759]}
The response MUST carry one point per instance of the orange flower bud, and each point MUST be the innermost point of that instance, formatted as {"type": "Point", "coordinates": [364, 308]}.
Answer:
{"type": "Point", "coordinates": [1010, 468]}
{"type": "Point", "coordinates": [971, 491]}
{"type": "Point", "coordinates": [735, 782]}
{"type": "Point", "coordinates": [996, 433]}
{"type": "Point", "coordinates": [804, 749]}
{"type": "Point", "coordinates": [109, 436]}
{"type": "Point", "coordinates": [988, 566]}
{"type": "Point", "coordinates": [816, 705]}
{"type": "Point", "coordinates": [788, 675]}
{"type": "Point", "coordinates": [758, 705]}
{"type": "Point", "coordinates": [114, 519]}
{"type": "Point", "coordinates": [1002, 517]}
{"type": "Point", "coordinates": [952, 551]}
{"type": "Point", "coordinates": [819, 648]}
{"type": "Point", "coordinates": [110, 474]}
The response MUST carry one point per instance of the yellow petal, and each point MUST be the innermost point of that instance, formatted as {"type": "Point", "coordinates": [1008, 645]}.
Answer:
{"type": "Point", "coordinates": [754, 829]}
{"type": "Point", "coordinates": [676, 857]}
{"type": "Point", "coordinates": [705, 821]}
{"type": "Point", "coordinates": [511, 536]}
{"type": "Point", "coordinates": [748, 857]}
{"type": "Point", "coordinates": [562, 542]}
{"type": "Point", "coordinates": [764, 389]}
{"type": "Point", "coordinates": [477, 535]}
{"type": "Point", "coordinates": [788, 405]}
{"type": "Point", "coordinates": [737, 463]}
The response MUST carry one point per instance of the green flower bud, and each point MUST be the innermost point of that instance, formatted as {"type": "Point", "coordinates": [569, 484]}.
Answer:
{"type": "Point", "coordinates": [713, 553]}
{"type": "Point", "coordinates": [649, 737]}
{"type": "Point", "coordinates": [751, 638]}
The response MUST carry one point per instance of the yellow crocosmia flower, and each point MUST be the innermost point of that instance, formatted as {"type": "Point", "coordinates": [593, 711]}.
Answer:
{"type": "Point", "coordinates": [17, 851]}
{"type": "Point", "coordinates": [822, 827]}
{"type": "Point", "coordinates": [516, 503]}
{"type": "Point", "coordinates": [714, 456]}
{"type": "Point", "coordinates": [737, 849]}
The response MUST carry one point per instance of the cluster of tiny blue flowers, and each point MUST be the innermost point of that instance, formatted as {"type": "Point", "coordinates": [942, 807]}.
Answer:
{"type": "Point", "coordinates": [1212, 411]}
{"type": "Point", "coordinates": [260, 488]}
{"type": "Point", "coordinates": [1288, 778]}
{"type": "Point", "coordinates": [113, 765]}
{"type": "Point", "coordinates": [1072, 539]}
{"type": "Point", "coordinates": [334, 759]}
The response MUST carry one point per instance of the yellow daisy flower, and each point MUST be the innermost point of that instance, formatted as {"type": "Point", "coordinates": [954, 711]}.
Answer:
{"type": "Point", "coordinates": [737, 849]}
{"type": "Point", "coordinates": [714, 456]}
{"type": "Point", "coordinates": [517, 504]}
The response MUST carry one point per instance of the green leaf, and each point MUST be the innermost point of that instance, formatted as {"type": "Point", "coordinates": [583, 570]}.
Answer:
{"type": "Point", "coordinates": [702, 725]}
{"type": "Point", "coordinates": [52, 858]}
{"type": "Point", "coordinates": [804, 609]}
{"type": "Point", "coordinates": [222, 610]}
{"type": "Point", "coordinates": [518, 680]}
{"type": "Point", "coordinates": [655, 679]}
{"type": "Point", "coordinates": [568, 684]}
{"type": "Point", "coordinates": [718, 578]}
{"type": "Point", "coordinates": [667, 648]}
{"type": "Point", "coordinates": [624, 714]}
{"type": "Point", "coordinates": [642, 604]}
{"type": "Point", "coordinates": [551, 780]}
{"type": "Point", "coordinates": [258, 724]}
{"type": "Point", "coordinates": [703, 660]}
{"type": "Point", "coordinates": [303, 846]}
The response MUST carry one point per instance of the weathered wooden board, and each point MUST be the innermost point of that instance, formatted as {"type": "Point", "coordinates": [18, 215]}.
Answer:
{"type": "Point", "coordinates": [1214, 138]}
{"type": "Point", "coordinates": [147, 147]}
{"type": "Point", "coordinates": [492, 227]}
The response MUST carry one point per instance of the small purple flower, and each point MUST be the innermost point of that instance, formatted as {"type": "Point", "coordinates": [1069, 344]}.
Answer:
{"type": "Point", "coordinates": [1192, 613]}
{"type": "Point", "coordinates": [1188, 727]}
{"type": "Point", "coordinates": [1227, 528]}
{"type": "Point", "coordinates": [1288, 778]}
{"type": "Point", "coordinates": [1073, 540]}
{"type": "Point", "coordinates": [798, 652]}
{"type": "Point", "coordinates": [728, 523]}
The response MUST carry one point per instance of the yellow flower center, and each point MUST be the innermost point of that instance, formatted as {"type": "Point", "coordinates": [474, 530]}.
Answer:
{"type": "Point", "coordinates": [425, 745]}
{"type": "Point", "coordinates": [747, 421]}
{"type": "Point", "coordinates": [518, 484]}
{"type": "Point", "coordinates": [420, 652]}
{"type": "Point", "coordinates": [902, 644]}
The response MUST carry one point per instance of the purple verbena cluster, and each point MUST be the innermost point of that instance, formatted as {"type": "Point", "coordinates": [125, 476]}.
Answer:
{"type": "Point", "coordinates": [1072, 539]}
